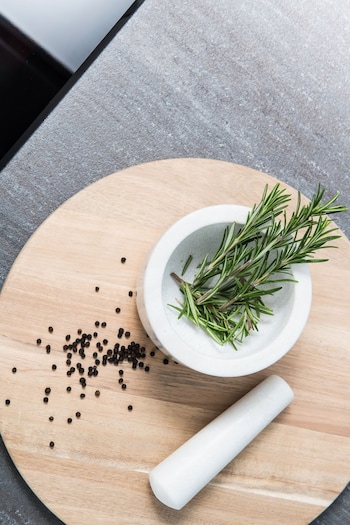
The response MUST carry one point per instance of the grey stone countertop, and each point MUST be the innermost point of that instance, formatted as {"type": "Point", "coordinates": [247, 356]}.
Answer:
{"type": "Point", "coordinates": [264, 84]}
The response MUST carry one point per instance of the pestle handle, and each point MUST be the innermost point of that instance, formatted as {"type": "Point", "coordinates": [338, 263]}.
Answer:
{"type": "Point", "coordinates": [179, 477]}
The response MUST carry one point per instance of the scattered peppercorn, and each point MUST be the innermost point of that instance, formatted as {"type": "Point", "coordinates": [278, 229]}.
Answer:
{"type": "Point", "coordinates": [38, 341]}
{"type": "Point", "coordinates": [14, 370]}
{"type": "Point", "coordinates": [152, 354]}
{"type": "Point", "coordinates": [130, 293]}
{"type": "Point", "coordinates": [123, 260]}
{"type": "Point", "coordinates": [132, 353]}
{"type": "Point", "coordinates": [50, 329]}
{"type": "Point", "coordinates": [96, 288]}
{"type": "Point", "coordinates": [165, 361]}
{"type": "Point", "coordinates": [7, 402]}
{"type": "Point", "coordinates": [52, 444]}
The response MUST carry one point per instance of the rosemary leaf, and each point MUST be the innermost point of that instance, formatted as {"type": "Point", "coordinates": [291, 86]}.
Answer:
{"type": "Point", "coordinates": [253, 261]}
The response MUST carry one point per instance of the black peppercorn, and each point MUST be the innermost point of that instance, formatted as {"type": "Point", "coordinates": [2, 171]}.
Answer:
{"type": "Point", "coordinates": [14, 370]}
{"type": "Point", "coordinates": [97, 323]}
{"type": "Point", "coordinates": [51, 418]}
{"type": "Point", "coordinates": [69, 420]}
{"type": "Point", "coordinates": [97, 393]}
{"type": "Point", "coordinates": [96, 288]}
{"type": "Point", "coordinates": [67, 337]}
{"type": "Point", "coordinates": [46, 399]}
{"type": "Point", "coordinates": [77, 414]}
{"type": "Point", "coordinates": [165, 361]}
{"type": "Point", "coordinates": [104, 324]}
{"type": "Point", "coordinates": [121, 372]}
{"type": "Point", "coordinates": [54, 367]}
{"type": "Point", "coordinates": [130, 293]}
{"type": "Point", "coordinates": [38, 341]}
{"type": "Point", "coordinates": [123, 386]}
{"type": "Point", "coordinates": [48, 349]}
{"type": "Point", "coordinates": [50, 329]}
{"type": "Point", "coordinates": [52, 444]}
{"type": "Point", "coordinates": [82, 396]}
{"type": "Point", "coordinates": [47, 390]}
{"type": "Point", "coordinates": [7, 402]}
{"type": "Point", "coordinates": [130, 408]}
{"type": "Point", "coordinates": [69, 388]}
{"type": "Point", "coordinates": [146, 368]}
{"type": "Point", "coordinates": [117, 310]}
{"type": "Point", "coordinates": [123, 260]}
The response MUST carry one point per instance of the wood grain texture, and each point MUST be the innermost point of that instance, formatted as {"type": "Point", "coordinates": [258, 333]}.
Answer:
{"type": "Point", "coordinates": [100, 463]}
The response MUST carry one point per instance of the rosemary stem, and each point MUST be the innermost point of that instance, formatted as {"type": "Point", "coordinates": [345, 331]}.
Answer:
{"type": "Point", "coordinates": [225, 297]}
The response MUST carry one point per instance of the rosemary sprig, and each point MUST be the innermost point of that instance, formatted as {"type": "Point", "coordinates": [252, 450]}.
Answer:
{"type": "Point", "coordinates": [226, 295]}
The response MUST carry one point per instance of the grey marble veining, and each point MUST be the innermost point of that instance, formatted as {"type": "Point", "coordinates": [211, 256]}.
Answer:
{"type": "Point", "coordinates": [264, 84]}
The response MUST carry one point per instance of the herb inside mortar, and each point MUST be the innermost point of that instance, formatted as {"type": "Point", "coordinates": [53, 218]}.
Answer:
{"type": "Point", "coordinates": [254, 261]}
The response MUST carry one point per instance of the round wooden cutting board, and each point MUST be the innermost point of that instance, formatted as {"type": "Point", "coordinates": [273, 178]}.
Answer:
{"type": "Point", "coordinates": [70, 279]}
